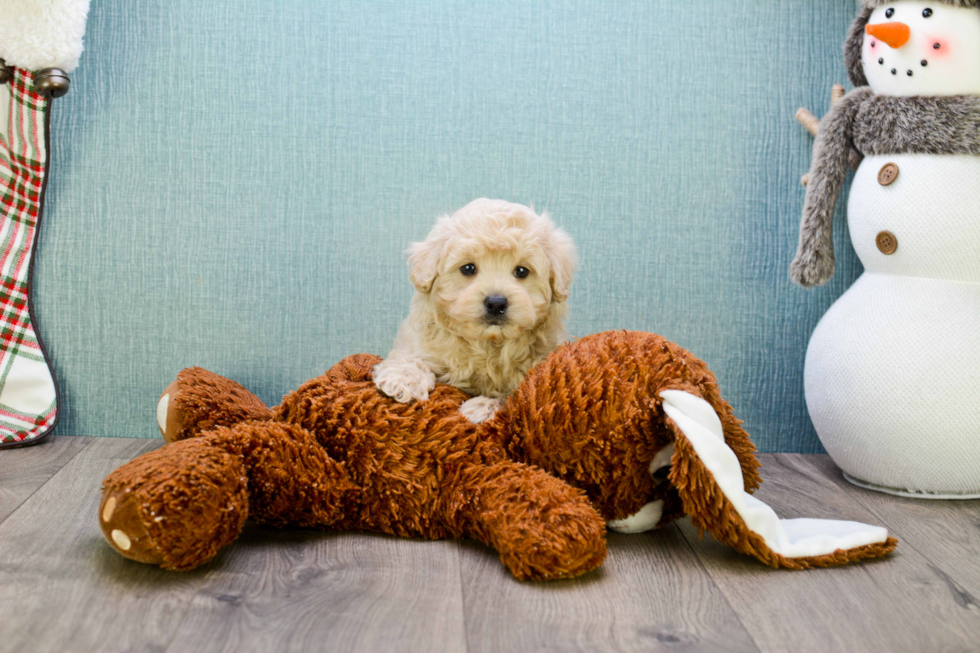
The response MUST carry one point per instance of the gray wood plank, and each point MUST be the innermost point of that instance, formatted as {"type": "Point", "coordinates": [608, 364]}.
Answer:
{"type": "Point", "coordinates": [651, 594]}
{"type": "Point", "coordinates": [297, 590]}
{"type": "Point", "coordinates": [271, 590]}
{"type": "Point", "coordinates": [63, 588]}
{"type": "Point", "coordinates": [304, 591]}
{"type": "Point", "coordinates": [900, 603]}
{"type": "Point", "coordinates": [24, 469]}
{"type": "Point", "coordinates": [947, 533]}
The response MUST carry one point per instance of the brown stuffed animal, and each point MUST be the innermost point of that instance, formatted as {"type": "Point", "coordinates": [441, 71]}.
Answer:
{"type": "Point", "coordinates": [620, 427]}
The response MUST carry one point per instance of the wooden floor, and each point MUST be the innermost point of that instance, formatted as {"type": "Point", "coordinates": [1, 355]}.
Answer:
{"type": "Point", "coordinates": [63, 589]}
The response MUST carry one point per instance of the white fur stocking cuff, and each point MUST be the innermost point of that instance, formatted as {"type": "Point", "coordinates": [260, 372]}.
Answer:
{"type": "Point", "coordinates": [37, 34]}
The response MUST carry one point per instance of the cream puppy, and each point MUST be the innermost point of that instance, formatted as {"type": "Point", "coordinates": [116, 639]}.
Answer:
{"type": "Point", "coordinates": [491, 283]}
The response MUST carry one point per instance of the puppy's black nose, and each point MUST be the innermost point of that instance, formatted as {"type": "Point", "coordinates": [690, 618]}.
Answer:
{"type": "Point", "coordinates": [495, 304]}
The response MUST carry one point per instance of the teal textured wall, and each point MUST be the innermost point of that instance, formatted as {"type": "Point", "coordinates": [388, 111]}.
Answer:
{"type": "Point", "coordinates": [234, 183]}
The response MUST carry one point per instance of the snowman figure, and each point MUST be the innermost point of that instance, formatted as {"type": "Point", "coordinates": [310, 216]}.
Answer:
{"type": "Point", "coordinates": [892, 375]}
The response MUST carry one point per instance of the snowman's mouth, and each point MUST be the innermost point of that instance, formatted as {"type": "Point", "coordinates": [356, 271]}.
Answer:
{"type": "Point", "coordinates": [908, 72]}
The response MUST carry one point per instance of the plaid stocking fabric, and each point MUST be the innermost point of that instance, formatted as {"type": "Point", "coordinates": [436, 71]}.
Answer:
{"type": "Point", "coordinates": [28, 395]}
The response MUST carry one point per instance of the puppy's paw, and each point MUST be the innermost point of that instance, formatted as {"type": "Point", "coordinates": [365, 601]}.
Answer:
{"type": "Point", "coordinates": [403, 381]}
{"type": "Point", "coordinates": [479, 409]}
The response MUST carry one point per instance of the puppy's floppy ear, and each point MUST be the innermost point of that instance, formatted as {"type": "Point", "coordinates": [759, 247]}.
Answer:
{"type": "Point", "coordinates": [424, 257]}
{"type": "Point", "coordinates": [562, 258]}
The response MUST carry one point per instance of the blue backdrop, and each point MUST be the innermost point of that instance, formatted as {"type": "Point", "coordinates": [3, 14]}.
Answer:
{"type": "Point", "coordinates": [234, 183]}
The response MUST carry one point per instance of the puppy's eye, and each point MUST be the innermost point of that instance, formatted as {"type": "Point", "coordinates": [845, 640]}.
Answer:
{"type": "Point", "coordinates": [926, 13]}
{"type": "Point", "coordinates": [521, 272]}
{"type": "Point", "coordinates": [889, 13]}
{"type": "Point", "coordinates": [468, 270]}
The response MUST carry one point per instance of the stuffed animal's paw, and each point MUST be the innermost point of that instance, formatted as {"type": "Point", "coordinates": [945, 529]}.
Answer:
{"type": "Point", "coordinates": [404, 381]}
{"type": "Point", "coordinates": [199, 400]}
{"type": "Point", "coordinates": [170, 418]}
{"type": "Point", "coordinates": [124, 528]}
{"type": "Point", "coordinates": [175, 507]}
{"type": "Point", "coordinates": [480, 409]}
{"type": "Point", "coordinates": [542, 527]}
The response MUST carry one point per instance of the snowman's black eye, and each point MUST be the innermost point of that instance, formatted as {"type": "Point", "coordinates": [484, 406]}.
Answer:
{"type": "Point", "coordinates": [468, 270]}
{"type": "Point", "coordinates": [926, 13]}
{"type": "Point", "coordinates": [889, 13]}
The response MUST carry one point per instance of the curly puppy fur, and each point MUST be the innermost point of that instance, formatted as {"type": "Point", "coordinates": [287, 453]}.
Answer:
{"type": "Point", "coordinates": [488, 251]}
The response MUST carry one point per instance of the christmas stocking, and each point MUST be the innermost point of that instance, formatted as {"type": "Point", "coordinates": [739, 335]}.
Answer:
{"type": "Point", "coordinates": [28, 406]}
{"type": "Point", "coordinates": [44, 36]}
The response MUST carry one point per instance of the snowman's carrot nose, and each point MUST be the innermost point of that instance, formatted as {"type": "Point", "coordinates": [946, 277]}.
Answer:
{"type": "Point", "coordinates": [894, 34]}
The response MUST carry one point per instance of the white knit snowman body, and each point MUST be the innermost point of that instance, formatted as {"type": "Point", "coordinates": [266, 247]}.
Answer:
{"type": "Point", "coordinates": [892, 375]}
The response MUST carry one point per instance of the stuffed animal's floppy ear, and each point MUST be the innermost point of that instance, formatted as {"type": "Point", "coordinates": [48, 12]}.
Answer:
{"type": "Point", "coordinates": [424, 257]}
{"type": "Point", "coordinates": [562, 258]}
{"type": "Point", "coordinates": [707, 475]}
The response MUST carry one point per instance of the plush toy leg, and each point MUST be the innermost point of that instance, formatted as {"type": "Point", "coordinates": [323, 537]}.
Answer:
{"type": "Point", "coordinates": [177, 506]}
{"type": "Point", "coordinates": [707, 474]}
{"type": "Point", "coordinates": [542, 527]}
{"type": "Point", "coordinates": [198, 401]}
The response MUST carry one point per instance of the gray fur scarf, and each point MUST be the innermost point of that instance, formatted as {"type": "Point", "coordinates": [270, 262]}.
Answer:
{"type": "Point", "coordinates": [873, 125]}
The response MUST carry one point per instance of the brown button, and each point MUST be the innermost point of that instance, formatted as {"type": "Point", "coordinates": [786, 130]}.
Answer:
{"type": "Point", "coordinates": [888, 174]}
{"type": "Point", "coordinates": [887, 243]}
